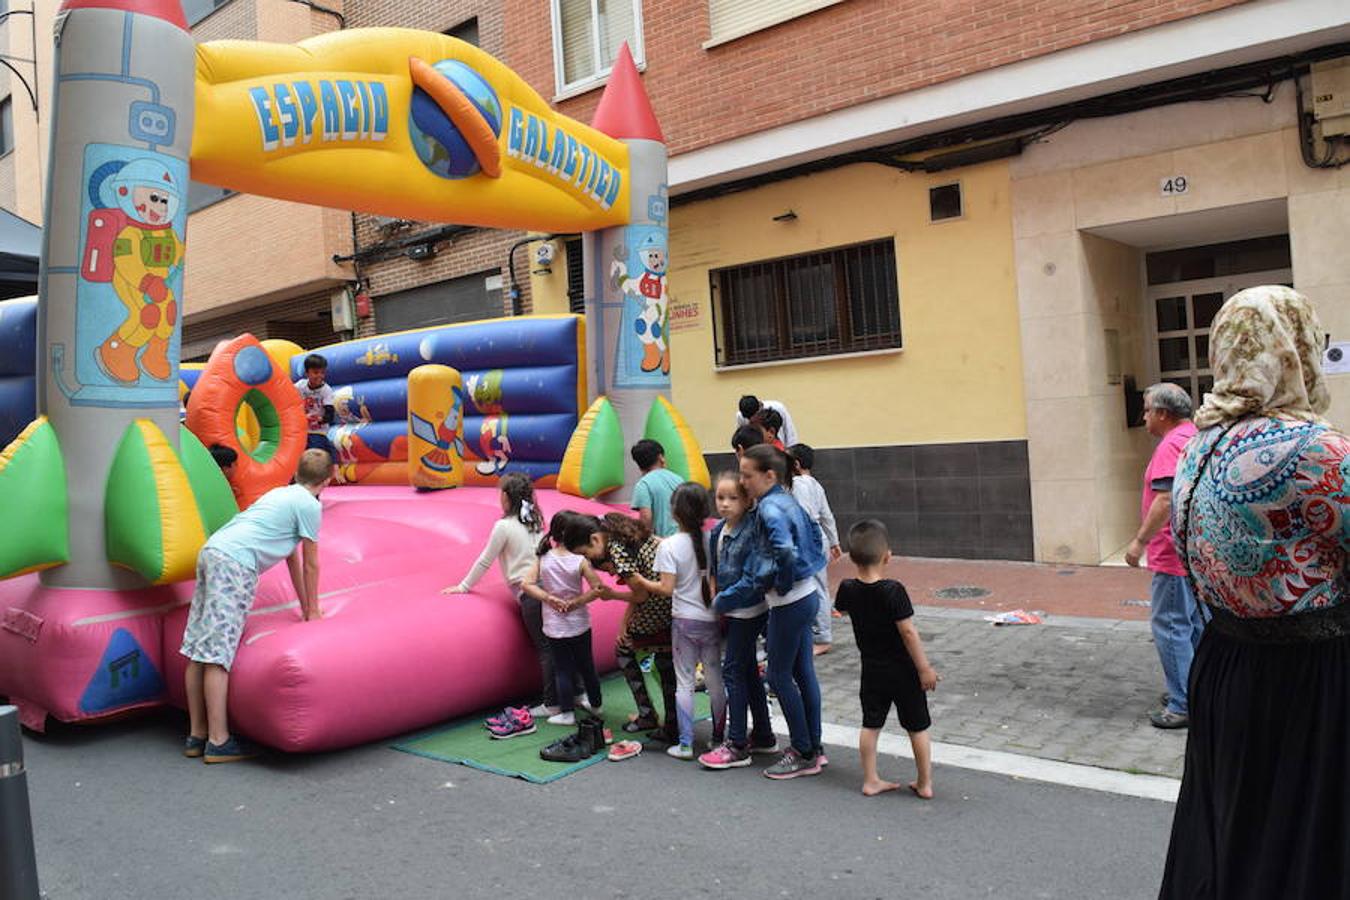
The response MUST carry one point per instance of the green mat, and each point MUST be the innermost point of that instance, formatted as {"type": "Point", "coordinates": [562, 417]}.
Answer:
{"type": "Point", "coordinates": [467, 742]}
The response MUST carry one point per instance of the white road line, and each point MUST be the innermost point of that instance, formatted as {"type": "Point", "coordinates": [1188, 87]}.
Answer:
{"type": "Point", "coordinates": [998, 762]}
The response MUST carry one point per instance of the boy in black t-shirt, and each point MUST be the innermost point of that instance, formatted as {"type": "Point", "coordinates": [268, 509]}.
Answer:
{"type": "Point", "coordinates": [895, 670]}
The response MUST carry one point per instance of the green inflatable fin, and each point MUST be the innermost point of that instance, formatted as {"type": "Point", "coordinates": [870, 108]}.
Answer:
{"type": "Point", "coordinates": [593, 462]}
{"type": "Point", "coordinates": [33, 479]}
{"type": "Point", "coordinates": [215, 498]}
{"type": "Point", "coordinates": [152, 524]}
{"type": "Point", "coordinates": [668, 428]}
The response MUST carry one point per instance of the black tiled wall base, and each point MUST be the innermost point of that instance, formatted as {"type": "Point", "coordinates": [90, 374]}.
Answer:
{"type": "Point", "coordinates": [969, 501]}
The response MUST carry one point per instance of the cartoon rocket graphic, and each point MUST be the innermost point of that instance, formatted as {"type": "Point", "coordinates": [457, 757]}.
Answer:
{"type": "Point", "coordinates": [627, 309]}
{"type": "Point", "coordinates": [99, 472]}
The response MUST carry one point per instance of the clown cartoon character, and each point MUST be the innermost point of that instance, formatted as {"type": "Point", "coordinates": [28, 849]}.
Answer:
{"type": "Point", "coordinates": [648, 292]}
{"type": "Point", "coordinates": [493, 444]}
{"type": "Point", "coordinates": [131, 243]}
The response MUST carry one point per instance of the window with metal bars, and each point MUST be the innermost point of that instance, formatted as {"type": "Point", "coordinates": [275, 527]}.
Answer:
{"type": "Point", "coordinates": [845, 300]}
{"type": "Point", "coordinates": [576, 278]}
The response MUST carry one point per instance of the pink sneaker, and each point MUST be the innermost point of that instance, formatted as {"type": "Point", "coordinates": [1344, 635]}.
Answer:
{"type": "Point", "coordinates": [506, 715]}
{"type": "Point", "coordinates": [506, 730]}
{"type": "Point", "coordinates": [725, 756]}
{"type": "Point", "coordinates": [513, 722]}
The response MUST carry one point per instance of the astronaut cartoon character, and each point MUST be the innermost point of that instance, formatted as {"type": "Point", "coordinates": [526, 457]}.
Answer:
{"type": "Point", "coordinates": [131, 243]}
{"type": "Point", "coordinates": [495, 447]}
{"type": "Point", "coordinates": [648, 294]}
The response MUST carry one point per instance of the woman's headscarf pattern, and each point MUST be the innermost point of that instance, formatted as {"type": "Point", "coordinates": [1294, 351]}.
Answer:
{"type": "Point", "coordinates": [1265, 347]}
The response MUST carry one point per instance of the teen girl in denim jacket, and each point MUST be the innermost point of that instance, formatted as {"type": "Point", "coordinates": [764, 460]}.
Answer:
{"type": "Point", "coordinates": [785, 556]}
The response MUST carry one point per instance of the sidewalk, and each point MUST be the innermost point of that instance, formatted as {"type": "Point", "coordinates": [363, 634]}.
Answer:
{"type": "Point", "coordinates": [1076, 689]}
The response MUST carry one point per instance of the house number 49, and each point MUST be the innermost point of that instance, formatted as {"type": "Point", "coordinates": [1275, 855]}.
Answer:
{"type": "Point", "coordinates": [1174, 186]}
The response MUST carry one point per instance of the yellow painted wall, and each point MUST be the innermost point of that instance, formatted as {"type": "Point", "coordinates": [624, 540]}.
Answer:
{"type": "Point", "coordinates": [959, 377]}
{"type": "Point", "coordinates": [548, 293]}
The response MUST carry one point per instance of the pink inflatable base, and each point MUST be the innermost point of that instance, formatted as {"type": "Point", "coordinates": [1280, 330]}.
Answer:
{"type": "Point", "coordinates": [391, 654]}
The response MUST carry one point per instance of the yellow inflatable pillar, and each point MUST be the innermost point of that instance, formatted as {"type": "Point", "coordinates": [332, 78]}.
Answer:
{"type": "Point", "coordinates": [435, 427]}
{"type": "Point", "coordinates": [281, 352]}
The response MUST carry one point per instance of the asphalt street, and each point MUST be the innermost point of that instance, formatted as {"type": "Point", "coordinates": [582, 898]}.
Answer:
{"type": "Point", "coordinates": [118, 813]}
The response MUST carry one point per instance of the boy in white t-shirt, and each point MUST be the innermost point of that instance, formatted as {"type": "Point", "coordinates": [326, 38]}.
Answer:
{"type": "Point", "coordinates": [696, 635]}
{"type": "Point", "coordinates": [320, 408]}
{"type": "Point", "coordinates": [811, 495]}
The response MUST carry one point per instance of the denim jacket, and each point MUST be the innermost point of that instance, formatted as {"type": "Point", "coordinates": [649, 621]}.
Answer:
{"type": "Point", "coordinates": [783, 548]}
{"type": "Point", "coordinates": [734, 564]}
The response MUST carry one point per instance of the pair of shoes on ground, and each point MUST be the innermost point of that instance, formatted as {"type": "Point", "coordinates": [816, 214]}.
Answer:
{"type": "Point", "coordinates": [233, 750]}
{"type": "Point", "coordinates": [591, 737]}
{"type": "Point", "coordinates": [729, 756]}
{"type": "Point", "coordinates": [622, 750]}
{"type": "Point", "coordinates": [511, 722]}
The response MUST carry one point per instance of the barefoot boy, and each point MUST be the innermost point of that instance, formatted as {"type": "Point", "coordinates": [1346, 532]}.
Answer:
{"type": "Point", "coordinates": [227, 576]}
{"type": "Point", "coordinates": [895, 670]}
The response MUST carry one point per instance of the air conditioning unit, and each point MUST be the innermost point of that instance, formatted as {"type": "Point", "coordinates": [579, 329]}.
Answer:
{"type": "Point", "coordinates": [1331, 96]}
{"type": "Point", "coordinates": [389, 224]}
{"type": "Point", "coordinates": [343, 310]}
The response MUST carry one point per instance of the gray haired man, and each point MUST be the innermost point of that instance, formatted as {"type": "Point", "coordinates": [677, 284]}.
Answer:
{"type": "Point", "coordinates": [1175, 617]}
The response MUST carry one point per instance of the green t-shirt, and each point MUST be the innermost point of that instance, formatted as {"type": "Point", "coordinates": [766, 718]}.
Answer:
{"type": "Point", "coordinates": [653, 492]}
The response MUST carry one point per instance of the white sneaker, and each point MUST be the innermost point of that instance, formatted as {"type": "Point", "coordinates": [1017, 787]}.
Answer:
{"type": "Point", "coordinates": [542, 712]}
{"type": "Point", "coordinates": [593, 710]}
{"type": "Point", "coordinates": [680, 751]}
{"type": "Point", "coordinates": [562, 718]}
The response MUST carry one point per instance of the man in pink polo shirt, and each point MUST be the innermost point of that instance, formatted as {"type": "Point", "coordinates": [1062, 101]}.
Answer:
{"type": "Point", "coordinates": [1176, 620]}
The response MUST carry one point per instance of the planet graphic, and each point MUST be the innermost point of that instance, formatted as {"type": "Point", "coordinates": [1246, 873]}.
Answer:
{"type": "Point", "coordinates": [438, 143]}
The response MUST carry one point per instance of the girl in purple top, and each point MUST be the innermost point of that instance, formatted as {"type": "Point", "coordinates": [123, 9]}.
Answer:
{"type": "Point", "coordinates": [560, 584]}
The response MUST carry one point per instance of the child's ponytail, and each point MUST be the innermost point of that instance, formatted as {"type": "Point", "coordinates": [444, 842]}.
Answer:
{"type": "Point", "coordinates": [689, 507]}
{"type": "Point", "coordinates": [557, 526]}
{"type": "Point", "coordinates": [521, 505]}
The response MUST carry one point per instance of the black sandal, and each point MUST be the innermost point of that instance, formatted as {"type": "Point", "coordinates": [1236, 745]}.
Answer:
{"type": "Point", "coordinates": [640, 724]}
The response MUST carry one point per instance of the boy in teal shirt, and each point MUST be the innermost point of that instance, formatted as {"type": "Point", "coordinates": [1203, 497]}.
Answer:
{"type": "Point", "coordinates": [651, 497]}
{"type": "Point", "coordinates": [227, 576]}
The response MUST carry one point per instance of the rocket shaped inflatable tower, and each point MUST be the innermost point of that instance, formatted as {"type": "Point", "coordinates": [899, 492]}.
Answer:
{"type": "Point", "coordinates": [109, 500]}
{"type": "Point", "coordinates": [626, 297]}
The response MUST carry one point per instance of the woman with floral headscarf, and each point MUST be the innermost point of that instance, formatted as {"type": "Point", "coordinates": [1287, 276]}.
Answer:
{"type": "Point", "coordinates": [1261, 516]}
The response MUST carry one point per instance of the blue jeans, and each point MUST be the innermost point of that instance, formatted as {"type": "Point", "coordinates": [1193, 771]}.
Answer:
{"type": "Point", "coordinates": [1177, 626]}
{"type": "Point", "coordinates": [792, 671]}
{"type": "Point", "coordinates": [822, 629]}
{"type": "Point", "coordinates": [745, 690]}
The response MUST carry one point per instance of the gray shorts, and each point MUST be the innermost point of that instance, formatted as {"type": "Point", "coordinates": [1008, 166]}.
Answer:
{"type": "Point", "coordinates": [224, 593]}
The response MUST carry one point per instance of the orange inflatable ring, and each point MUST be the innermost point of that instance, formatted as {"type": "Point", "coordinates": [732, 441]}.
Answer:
{"type": "Point", "coordinates": [241, 373]}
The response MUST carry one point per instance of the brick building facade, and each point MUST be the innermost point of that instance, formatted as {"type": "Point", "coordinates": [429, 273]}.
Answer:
{"type": "Point", "coordinates": [383, 266]}
{"type": "Point", "coordinates": [831, 59]}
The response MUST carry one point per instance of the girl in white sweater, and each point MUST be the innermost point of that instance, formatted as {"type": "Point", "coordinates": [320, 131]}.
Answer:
{"type": "Point", "coordinates": [512, 544]}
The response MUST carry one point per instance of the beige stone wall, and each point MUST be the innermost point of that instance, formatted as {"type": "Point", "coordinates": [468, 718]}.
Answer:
{"type": "Point", "coordinates": [1074, 286]}
{"type": "Point", "coordinates": [253, 258]}
{"type": "Point", "coordinates": [27, 40]}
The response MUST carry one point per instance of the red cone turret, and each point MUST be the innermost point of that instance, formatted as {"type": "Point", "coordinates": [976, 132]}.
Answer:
{"type": "Point", "coordinates": [625, 112]}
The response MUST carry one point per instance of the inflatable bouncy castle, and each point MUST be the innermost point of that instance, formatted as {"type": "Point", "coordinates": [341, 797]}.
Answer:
{"type": "Point", "coordinates": [116, 496]}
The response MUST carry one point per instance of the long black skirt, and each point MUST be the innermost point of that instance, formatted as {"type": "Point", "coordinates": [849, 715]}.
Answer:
{"type": "Point", "coordinates": [1264, 810]}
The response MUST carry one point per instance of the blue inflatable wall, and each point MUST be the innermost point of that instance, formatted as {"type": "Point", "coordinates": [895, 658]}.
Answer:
{"type": "Point", "coordinates": [525, 389]}
{"type": "Point", "coordinates": [18, 367]}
